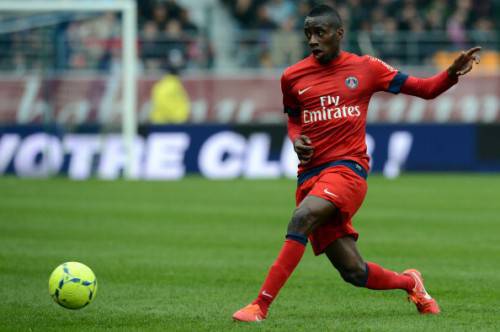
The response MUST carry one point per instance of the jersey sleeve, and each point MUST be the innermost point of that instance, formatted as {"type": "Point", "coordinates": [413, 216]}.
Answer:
{"type": "Point", "coordinates": [290, 104]}
{"type": "Point", "coordinates": [385, 77]}
{"type": "Point", "coordinates": [294, 127]}
{"type": "Point", "coordinates": [428, 88]}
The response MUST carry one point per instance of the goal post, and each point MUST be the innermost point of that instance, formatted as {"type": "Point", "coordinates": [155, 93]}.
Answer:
{"type": "Point", "coordinates": [128, 9]}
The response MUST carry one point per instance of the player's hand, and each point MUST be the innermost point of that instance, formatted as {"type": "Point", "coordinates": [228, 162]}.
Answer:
{"type": "Point", "coordinates": [464, 62]}
{"type": "Point", "coordinates": [303, 148]}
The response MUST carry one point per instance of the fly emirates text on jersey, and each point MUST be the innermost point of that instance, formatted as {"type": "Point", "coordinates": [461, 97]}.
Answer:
{"type": "Point", "coordinates": [330, 109]}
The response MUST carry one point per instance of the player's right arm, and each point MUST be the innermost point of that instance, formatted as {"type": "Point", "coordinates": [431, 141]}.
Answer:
{"type": "Point", "coordinates": [301, 143]}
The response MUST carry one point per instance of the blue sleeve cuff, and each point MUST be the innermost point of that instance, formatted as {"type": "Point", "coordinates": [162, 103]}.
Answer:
{"type": "Point", "coordinates": [397, 82]}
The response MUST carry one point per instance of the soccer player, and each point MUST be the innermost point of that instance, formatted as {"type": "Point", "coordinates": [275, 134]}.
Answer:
{"type": "Point", "coordinates": [326, 97]}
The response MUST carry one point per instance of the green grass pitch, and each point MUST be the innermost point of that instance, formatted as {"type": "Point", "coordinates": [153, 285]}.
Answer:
{"type": "Point", "coordinates": [183, 256]}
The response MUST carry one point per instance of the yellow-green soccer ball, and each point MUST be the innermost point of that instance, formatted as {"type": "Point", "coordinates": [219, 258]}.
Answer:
{"type": "Point", "coordinates": [73, 285]}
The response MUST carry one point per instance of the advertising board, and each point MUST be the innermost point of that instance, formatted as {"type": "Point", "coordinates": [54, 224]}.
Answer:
{"type": "Point", "coordinates": [238, 151]}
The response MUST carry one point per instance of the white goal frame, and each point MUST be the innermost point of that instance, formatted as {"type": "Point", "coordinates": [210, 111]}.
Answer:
{"type": "Point", "coordinates": [128, 9]}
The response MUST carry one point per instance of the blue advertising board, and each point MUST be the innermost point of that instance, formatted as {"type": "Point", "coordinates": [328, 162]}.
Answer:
{"type": "Point", "coordinates": [230, 151]}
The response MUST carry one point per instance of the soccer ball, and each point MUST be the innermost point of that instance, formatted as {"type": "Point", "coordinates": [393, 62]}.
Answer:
{"type": "Point", "coordinates": [73, 285]}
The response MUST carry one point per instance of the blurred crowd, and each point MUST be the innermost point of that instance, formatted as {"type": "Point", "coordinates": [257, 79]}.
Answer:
{"type": "Point", "coordinates": [168, 40]}
{"type": "Point", "coordinates": [268, 33]}
{"type": "Point", "coordinates": [369, 15]}
{"type": "Point", "coordinates": [385, 28]}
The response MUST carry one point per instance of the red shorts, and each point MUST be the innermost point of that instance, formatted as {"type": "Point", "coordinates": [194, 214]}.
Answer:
{"type": "Point", "coordinates": [346, 190]}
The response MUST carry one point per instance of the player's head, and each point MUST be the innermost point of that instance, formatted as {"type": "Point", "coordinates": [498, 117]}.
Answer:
{"type": "Point", "coordinates": [324, 31]}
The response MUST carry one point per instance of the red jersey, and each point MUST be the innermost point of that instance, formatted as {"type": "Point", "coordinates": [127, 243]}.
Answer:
{"type": "Point", "coordinates": [332, 102]}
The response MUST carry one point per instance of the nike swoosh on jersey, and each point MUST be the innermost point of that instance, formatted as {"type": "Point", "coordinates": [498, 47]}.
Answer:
{"type": "Point", "coordinates": [304, 90]}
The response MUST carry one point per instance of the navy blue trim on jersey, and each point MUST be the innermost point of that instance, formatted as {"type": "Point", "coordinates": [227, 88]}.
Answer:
{"type": "Point", "coordinates": [297, 237]}
{"type": "Point", "coordinates": [354, 166]}
{"type": "Point", "coordinates": [292, 111]}
{"type": "Point", "coordinates": [397, 82]}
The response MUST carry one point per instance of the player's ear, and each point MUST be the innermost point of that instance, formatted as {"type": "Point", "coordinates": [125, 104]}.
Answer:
{"type": "Point", "coordinates": [339, 33]}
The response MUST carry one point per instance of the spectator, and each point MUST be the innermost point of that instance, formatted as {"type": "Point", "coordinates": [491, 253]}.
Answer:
{"type": "Point", "coordinates": [150, 52]}
{"type": "Point", "coordinates": [455, 29]}
{"type": "Point", "coordinates": [187, 26]}
{"type": "Point", "coordinates": [263, 20]}
{"type": "Point", "coordinates": [244, 11]}
{"type": "Point", "coordinates": [160, 15]}
{"type": "Point", "coordinates": [170, 101]}
{"type": "Point", "coordinates": [280, 11]}
{"type": "Point", "coordinates": [175, 43]}
{"type": "Point", "coordinates": [408, 15]}
{"type": "Point", "coordinates": [286, 45]}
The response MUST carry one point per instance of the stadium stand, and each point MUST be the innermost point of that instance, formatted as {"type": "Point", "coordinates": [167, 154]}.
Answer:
{"type": "Point", "coordinates": [229, 55]}
{"type": "Point", "coordinates": [259, 34]}
{"type": "Point", "coordinates": [89, 41]}
{"type": "Point", "coordinates": [406, 31]}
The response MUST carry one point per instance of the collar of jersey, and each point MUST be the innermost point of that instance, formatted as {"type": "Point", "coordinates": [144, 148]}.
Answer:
{"type": "Point", "coordinates": [332, 62]}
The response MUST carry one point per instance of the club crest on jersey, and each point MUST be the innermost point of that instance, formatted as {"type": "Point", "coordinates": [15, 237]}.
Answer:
{"type": "Point", "coordinates": [351, 82]}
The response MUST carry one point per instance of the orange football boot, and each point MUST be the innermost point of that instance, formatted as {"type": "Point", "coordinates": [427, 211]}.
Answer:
{"type": "Point", "coordinates": [418, 295]}
{"type": "Point", "coordinates": [250, 313]}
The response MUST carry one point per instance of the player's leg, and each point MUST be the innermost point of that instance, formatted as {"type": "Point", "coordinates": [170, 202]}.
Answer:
{"type": "Point", "coordinates": [345, 257]}
{"type": "Point", "coordinates": [312, 212]}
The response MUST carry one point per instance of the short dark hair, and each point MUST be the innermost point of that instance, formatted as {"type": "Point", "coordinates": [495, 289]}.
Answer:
{"type": "Point", "coordinates": [325, 10]}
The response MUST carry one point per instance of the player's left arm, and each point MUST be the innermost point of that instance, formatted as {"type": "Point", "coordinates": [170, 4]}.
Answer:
{"type": "Point", "coordinates": [431, 87]}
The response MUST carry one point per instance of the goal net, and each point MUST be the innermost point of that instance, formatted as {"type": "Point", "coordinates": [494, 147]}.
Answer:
{"type": "Point", "coordinates": [67, 64]}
